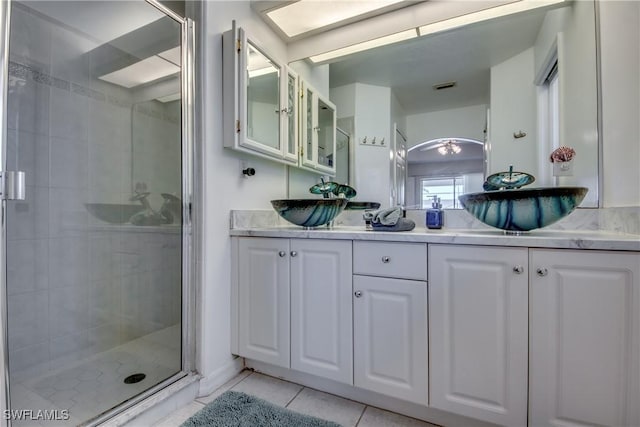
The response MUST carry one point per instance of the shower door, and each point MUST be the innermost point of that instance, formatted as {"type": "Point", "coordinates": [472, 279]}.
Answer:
{"type": "Point", "coordinates": [96, 118]}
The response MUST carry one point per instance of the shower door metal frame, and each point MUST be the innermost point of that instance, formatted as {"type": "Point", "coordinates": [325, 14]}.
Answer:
{"type": "Point", "coordinates": [190, 222]}
{"type": "Point", "coordinates": [5, 19]}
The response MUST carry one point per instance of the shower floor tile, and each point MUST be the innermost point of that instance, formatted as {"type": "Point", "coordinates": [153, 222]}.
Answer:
{"type": "Point", "coordinates": [96, 384]}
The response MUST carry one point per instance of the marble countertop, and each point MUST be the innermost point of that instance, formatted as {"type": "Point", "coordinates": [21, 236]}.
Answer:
{"type": "Point", "coordinates": [565, 239]}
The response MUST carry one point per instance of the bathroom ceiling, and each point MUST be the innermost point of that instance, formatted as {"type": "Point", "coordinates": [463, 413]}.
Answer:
{"type": "Point", "coordinates": [463, 55]}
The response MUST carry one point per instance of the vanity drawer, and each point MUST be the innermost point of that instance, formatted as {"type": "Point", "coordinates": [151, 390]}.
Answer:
{"type": "Point", "coordinates": [388, 259]}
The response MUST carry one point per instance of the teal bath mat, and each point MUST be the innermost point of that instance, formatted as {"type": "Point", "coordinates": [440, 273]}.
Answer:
{"type": "Point", "coordinates": [235, 409]}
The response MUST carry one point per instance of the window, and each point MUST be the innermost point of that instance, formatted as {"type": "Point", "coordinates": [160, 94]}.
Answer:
{"type": "Point", "coordinates": [553, 106]}
{"type": "Point", "coordinates": [447, 189]}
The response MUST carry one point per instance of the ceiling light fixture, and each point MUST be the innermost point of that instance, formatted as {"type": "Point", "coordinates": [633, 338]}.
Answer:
{"type": "Point", "coordinates": [436, 27]}
{"type": "Point", "coordinates": [450, 147]}
{"type": "Point", "coordinates": [141, 72]}
{"type": "Point", "coordinates": [308, 15]}
{"type": "Point", "coordinates": [359, 47]}
{"type": "Point", "coordinates": [483, 15]}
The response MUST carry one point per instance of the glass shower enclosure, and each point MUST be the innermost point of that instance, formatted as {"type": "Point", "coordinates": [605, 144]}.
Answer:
{"type": "Point", "coordinates": [96, 165]}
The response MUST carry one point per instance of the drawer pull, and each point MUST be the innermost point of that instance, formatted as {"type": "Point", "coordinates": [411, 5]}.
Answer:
{"type": "Point", "coordinates": [386, 259]}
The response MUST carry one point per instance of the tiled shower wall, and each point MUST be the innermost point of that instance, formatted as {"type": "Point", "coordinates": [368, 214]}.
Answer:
{"type": "Point", "coordinates": [76, 286]}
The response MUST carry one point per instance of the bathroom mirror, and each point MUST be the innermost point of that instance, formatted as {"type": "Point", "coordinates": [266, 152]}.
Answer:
{"type": "Point", "coordinates": [263, 98]}
{"type": "Point", "coordinates": [490, 89]}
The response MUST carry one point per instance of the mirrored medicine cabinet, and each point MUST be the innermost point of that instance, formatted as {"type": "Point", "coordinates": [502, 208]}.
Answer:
{"type": "Point", "coordinates": [271, 112]}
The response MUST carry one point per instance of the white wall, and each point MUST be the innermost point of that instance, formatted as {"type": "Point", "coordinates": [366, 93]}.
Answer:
{"type": "Point", "coordinates": [578, 120]}
{"type": "Point", "coordinates": [570, 33]}
{"type": "Point", "coordinates": [224, 186]}
{"type": "Point", "coordinates": [513, 109]}
{"type": "Point", "coordinates": [620, 66]}
{"type": "Point", "coordinates": [464, 122]}
{"type": "Point", "coordinates": [317, 76]}
{"type": "Point", "coordinates": [344, 97]}
{"type": "Point", "coordinates": [372, 113]}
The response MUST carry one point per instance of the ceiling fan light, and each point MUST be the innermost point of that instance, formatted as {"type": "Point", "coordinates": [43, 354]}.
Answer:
{"type": "Point", "coordinates": [449, 147]}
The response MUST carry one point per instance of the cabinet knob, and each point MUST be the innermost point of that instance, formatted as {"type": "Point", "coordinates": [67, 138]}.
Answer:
{"type": "Point", "coordinates": [518, 269]}
{"type": "Point", "coordinates": [294, 253]}
{"type": "Point", "coordinates": [541, 272]}
{"type": "Point", "coordinates": [357, 294]}
{"type": "Point", "coordinates": [386, 259]}
{"type": "Point", "coordinates": [282, 254]}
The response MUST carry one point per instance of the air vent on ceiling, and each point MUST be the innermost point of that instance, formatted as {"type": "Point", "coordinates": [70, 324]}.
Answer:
{"type": "Point", "coordinates": [446, 85]}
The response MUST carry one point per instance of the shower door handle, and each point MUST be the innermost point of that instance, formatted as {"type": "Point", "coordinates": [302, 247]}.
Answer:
{"type": "Point", "coordinates": [12, 185]}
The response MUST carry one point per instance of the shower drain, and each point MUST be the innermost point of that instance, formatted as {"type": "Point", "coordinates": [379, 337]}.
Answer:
{"type": "Point", "coordinates": [135, 378]}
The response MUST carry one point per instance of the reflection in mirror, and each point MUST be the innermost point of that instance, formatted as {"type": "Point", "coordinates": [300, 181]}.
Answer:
{"type": "Point", "coordinates": [399, 169]}
{"type": "Point", "coordinates": [263, 98]}
{"type": "Point", "coordinates": [446, 168]}
{"type": "Point", "coordinates": [342, 156]}
{"type": "Point", "coordinates": [309, 125]}
{"type": "Point", "coordinates": [155, 155]}
{"type": "Point", "coordinates": [292, 123]}
{"type": "Point", "coordinates": [325, 131]}
{"type": "Point", "coordinates": [520, 85]}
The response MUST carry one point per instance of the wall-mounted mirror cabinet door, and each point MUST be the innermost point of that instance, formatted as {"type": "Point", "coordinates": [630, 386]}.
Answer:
{"type": "Point", "coordinates": [290, 116]}
{"type": "Point", "coordinates": [307, 152]}
{"type": "Point", "coordinates": [259, 113]}
{"type": "Point", "coordinates": [318, 131]}
{"type": "Point", "coordinates": [326, 135]}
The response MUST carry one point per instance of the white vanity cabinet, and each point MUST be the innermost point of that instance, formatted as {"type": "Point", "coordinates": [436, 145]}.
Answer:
{"type": "Point", "coordinates": [512, 336]}
{"type": "Point", "coordinates": [318, 121]}
{"type": "Point", "coordinates": [294, 304]}
{"type": "Point", "coordinates": [321, 309]}
{"type": "Point", "coordinates": [478, 332]}
{"type": "Point", "coordinates": [584, 338]}
{"type": "Point", "coordinates": [260, 102]}
{"type": "Point", "coordinates": [263, 300]}
{"type": "Point", "coordinates": [390, 320]}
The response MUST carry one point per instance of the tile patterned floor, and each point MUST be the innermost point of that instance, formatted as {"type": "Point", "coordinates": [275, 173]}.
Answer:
{"type": "Point", "coordinates": [94, 385]}
{"type": "Point", "coordinates": [301, 399]}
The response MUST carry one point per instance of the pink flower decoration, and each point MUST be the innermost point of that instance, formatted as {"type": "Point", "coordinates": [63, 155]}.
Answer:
{"type": "Point", "coordinates": [562, 154]}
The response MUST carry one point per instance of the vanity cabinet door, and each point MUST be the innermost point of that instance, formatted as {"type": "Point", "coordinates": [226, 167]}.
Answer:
{"type": "Point", "coordinates": [478, 332]}
{"type": "Point", "coordinates": [585, 333]}
{"type": "Point", "coordinates": [263, 300]}
{"type": "Point", "coordinates": [390, 337]}
{"type": "Point", "coordinates": [321, 309]}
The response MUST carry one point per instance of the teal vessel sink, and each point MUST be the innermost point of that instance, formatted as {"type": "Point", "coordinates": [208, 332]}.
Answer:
{"type": "Point", "coordinates": [522, 210]}
{"type": "Point", "coordinates": [309, 212]}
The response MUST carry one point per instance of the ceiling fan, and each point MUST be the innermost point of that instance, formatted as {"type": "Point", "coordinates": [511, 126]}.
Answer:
{"type": "Point", "coordinates": [444, 147]}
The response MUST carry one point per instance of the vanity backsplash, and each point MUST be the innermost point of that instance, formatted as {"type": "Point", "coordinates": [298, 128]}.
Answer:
{"type": "Point", "coordinates": [620, 220]}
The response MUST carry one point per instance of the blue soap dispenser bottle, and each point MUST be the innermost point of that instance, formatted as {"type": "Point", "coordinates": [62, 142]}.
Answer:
{"type": "Point", "coordinates": [435, 215]}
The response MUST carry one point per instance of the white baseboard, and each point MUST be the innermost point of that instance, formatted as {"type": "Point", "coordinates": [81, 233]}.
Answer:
{"type": "Point", "coordinates": [220, 376]}
{"type": "Point", "coordinates": [432, 415]}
